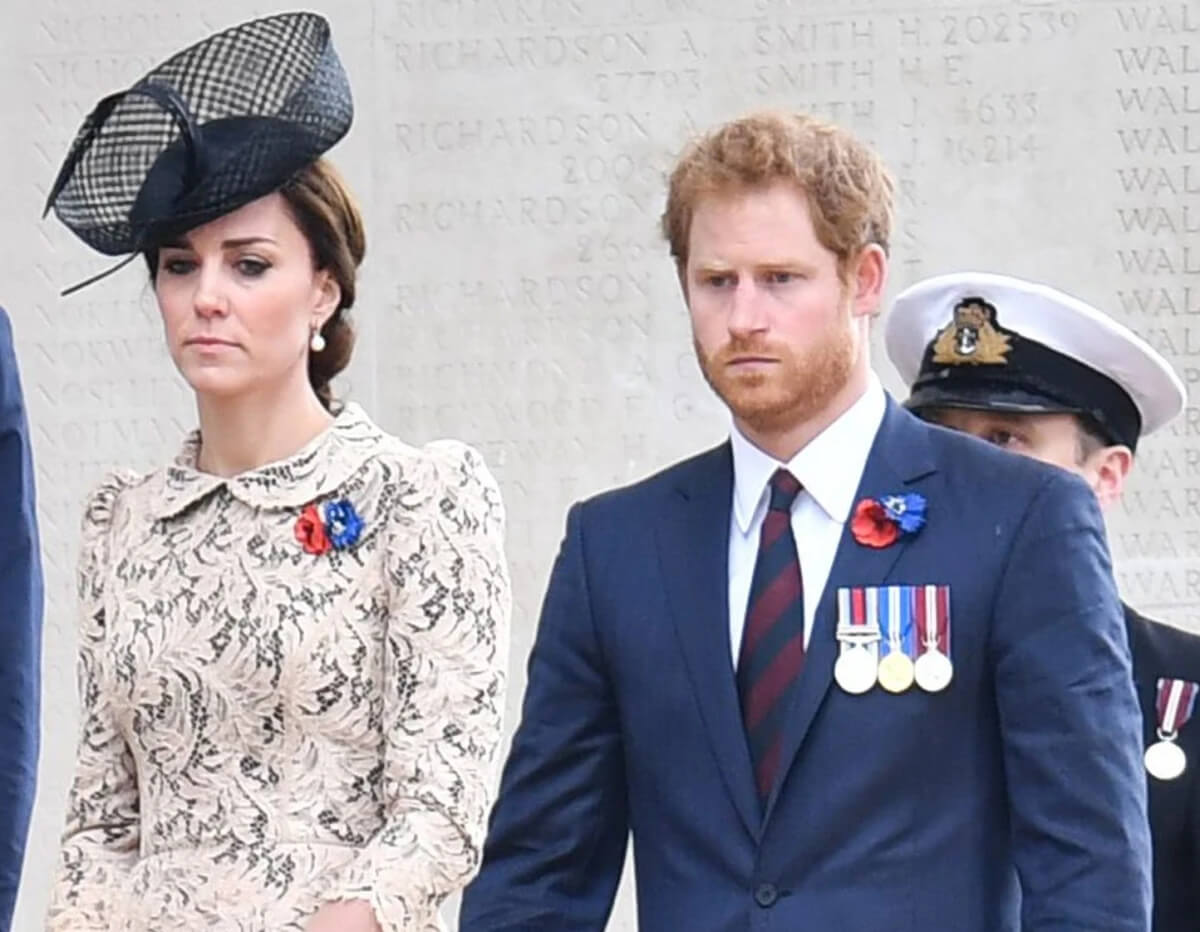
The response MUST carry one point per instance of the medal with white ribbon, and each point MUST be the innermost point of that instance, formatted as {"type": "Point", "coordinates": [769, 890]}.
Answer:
{"type": "Point", "coordinates": [931, 604]}
{"type": "Point", "coordinates": [1175, 703]}
{"type": "Point", "coordinates": [895, 622]}
{"type": "Point", "coordinates": [858, 638]}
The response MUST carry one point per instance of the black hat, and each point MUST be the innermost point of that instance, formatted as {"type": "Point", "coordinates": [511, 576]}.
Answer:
{"type": "Point", "coordinates": [216, 126]}
{"type": "Point", "coordinates": [997, 343]}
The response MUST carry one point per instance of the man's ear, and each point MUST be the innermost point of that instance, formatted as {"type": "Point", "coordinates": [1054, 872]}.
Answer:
{"type": "Point", "coordinates": [868, 277]}
{"type": "Point", "coordinates": [1106, 470]}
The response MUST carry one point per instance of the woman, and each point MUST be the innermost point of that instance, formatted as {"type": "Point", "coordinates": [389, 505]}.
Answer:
{"type": "Point", "coordinates": [294, 636]}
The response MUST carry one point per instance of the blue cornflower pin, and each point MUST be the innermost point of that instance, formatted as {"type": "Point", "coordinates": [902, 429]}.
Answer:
{"type": "Point", "coordinates": [343, 524]}
{"type": "Point", "coordinates": [908, 511]}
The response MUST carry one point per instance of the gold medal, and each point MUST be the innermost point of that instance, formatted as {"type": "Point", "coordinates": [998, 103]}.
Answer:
{"type": "Point", "coordinates": [933, 671]}
{"type": "Point", "coordinates": [855, 669]}
{"type": "Point", "coordinates": [1165, 760]}
{"type": "Point", "coordinates": [896, 672]}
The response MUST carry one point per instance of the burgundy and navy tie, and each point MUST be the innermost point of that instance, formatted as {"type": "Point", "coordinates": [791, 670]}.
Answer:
{"type": "Point", "coordinates": [772, 652]}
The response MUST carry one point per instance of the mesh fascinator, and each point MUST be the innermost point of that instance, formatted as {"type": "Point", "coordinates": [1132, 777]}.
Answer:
{"type": "Point", "coordinates": [214, 127]}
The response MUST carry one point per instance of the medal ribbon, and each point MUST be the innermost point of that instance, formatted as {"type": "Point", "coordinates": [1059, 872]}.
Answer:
{"type": "Point", "coordinates": [931, 609]}
{"type": "Point", "coordinates": [894, 607]}
{"type": "Point", "coordinates": [857, 623]}
{"type": "Point", "coordinates": [871, 594]}
{"type": "Point", "coordinates": [1176, 702]}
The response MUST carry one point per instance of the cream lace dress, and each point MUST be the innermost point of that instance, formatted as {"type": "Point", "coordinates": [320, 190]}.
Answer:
{"type": "Point", "coordinates": [266, 728]}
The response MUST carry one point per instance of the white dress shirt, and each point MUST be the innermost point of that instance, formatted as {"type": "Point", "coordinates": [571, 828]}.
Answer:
{"type": "Point", "coordinates": [829, 468]}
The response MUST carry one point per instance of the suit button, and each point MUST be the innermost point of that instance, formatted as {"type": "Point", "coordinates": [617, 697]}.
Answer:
{"type": "Point", "coordinates": [766, 894]}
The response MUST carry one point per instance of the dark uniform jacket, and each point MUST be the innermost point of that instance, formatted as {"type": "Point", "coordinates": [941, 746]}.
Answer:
{"type": "Point", "coordinates": [1161, 650]}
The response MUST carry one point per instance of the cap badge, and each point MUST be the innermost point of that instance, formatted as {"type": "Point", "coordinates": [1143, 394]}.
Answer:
{"type": "Point", "coordinates": [972, 337]}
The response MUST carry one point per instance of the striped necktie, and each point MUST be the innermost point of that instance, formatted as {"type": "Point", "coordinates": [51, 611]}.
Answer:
{"type": "Point", "coordinates": [772, 653]}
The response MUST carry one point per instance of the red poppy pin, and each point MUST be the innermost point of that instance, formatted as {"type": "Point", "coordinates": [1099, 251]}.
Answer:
{"type": "Point", "coordinates": [310, 531]}
{"type": "Point", "coordinates": [880, 522]}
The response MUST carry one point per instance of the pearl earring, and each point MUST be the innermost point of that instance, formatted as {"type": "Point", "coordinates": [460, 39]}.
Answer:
{"type": "Point", "coordinates": [317, 343]}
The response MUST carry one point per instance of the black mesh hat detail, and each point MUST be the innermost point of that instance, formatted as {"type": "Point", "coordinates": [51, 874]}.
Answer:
{"type": "Point", "coordinates": [214, 127]}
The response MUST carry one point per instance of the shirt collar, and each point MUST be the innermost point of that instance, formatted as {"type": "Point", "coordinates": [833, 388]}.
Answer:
{"type": "Point", "coordinates": [318, 468]}
{"type": "Point", "coordinates": [830, 467]}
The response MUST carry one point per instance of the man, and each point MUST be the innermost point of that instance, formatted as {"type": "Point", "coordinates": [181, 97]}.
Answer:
{"type": "Point", "coordinates": [726, 658]}
{"type": "Point", "coordinates": [1073, 388]}
{"type": "Point", "coordinates": [20, 628]}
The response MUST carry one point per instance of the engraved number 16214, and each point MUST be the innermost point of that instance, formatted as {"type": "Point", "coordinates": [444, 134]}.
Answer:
{"type": "Point", "coordinates": [991, 149]}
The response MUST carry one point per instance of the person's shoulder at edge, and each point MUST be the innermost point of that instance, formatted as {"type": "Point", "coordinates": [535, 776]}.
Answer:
{"type": "Point", "coordinates": [446, 473]}
{"type": "Point", "coordinates": [106, 493]}
{"type": "Point", "coordinates": [1164, 648]}
{"type": "Point", "coordinates": [637, 496]}
{"type": "Point", "coordinates": [444, 457]}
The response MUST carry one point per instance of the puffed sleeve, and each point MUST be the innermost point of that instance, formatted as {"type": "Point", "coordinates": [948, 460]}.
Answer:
{"type": "Point", "coordinates": [101, 838]}
{"type": "Point", "coordinates": [445, 670]}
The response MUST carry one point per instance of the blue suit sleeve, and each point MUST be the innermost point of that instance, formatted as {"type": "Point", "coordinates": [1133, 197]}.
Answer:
{"type": "Point", "coordinates": [1070, 722]}
{"type": "Point", "coordinates": [558, 833]}
{"type": "Point", "coordinates": [20, 628]}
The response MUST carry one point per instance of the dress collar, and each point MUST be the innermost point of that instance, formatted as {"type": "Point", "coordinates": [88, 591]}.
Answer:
{"type": "Point", "coordinates": [316, 469]}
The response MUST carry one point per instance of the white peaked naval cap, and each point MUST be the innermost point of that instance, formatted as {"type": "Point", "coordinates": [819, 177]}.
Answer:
{"type": "Point", "coordinates": [995, 342]}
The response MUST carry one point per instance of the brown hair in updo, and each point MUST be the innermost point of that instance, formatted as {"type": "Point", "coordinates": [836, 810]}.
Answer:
{"type": "Point", "coordinates": [329, 217]}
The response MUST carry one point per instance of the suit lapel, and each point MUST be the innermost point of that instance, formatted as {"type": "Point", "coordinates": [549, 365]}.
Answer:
{"type": "Point", "coordinates": [693, 546]}
{"type": "Point", "coordinates": [899, 457]}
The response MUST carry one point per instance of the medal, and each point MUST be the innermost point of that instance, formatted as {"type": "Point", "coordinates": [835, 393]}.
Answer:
{"type": "Point", "coordinates": [895, 624]}
{"type": "Point", "coordinates": [1165, 759]}
{"type": "Point", "coordinates": [1176, 699]}
{"type": "Point", "coordinates": [933, 670]}
{"type": "Point", "coordinates": [896, 672]}
{"type": "Point", "coordinates": [855, 668]}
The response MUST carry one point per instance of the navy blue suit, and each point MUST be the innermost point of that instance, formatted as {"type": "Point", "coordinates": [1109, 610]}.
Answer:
{"type": "Point", "coordinates": [1013, 800]}
{"type": "Point", "coordinates": [20, 627]}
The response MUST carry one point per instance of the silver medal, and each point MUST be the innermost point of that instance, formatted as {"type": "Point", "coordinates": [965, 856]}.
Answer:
{"type": "Point", "coordinates": [1165, 760]}
{"type": "Point", "coordinates": [934, 671]}
{"type": "Point", "coordinates": [855, 669]}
